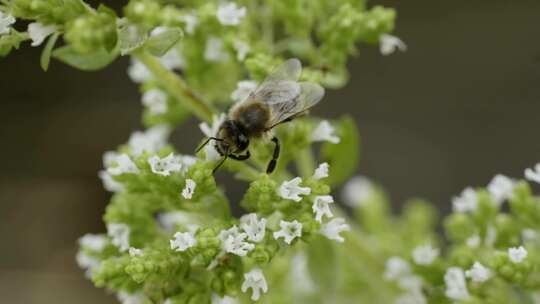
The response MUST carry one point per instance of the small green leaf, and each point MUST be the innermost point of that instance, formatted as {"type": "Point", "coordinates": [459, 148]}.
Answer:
{"type": "Point", "coordinates": [160, 44]}
{"type": "Point", "coordinates": [47, 50]}
{"type": "Point", "coordinates": [343, 157]}
{"type": "Point", "coordinates": [86, 62]}
{"type": "Point", "coordinates": [130, 36]}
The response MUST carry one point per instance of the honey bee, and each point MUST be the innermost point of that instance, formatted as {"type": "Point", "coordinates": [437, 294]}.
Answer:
{"type": "Point", "coordinates": [279, 98]}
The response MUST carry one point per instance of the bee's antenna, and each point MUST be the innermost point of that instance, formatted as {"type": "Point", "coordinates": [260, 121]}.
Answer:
{"type": "Point", "coordinates": [221, 162]}
{"type": "Point", "coordinates": [206, 142]}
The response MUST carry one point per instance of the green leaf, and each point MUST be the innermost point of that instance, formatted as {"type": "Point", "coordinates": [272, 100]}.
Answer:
{"type": "Point", "coordinates": [322, 263]}
{"type": "Point", "coordinates": [343, 157]}
{"type": "Point", "coordinates": [160, 44]}
{"type": "Point", "coordinates": [131, 37]}
{"type": "Point", "coordinates": [47, 50]}
{"type": "Point", "coordinates": [86, 62]}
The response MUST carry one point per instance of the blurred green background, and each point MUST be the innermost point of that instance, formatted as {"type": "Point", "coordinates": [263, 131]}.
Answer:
{"type": "Point", "coordinates": [461, 105]}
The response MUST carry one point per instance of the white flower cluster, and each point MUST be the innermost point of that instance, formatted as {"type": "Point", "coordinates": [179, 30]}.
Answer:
{"type": "Point", "coordinates": [119, 234]}
{"type": "Point", "coordinates": [456, 286]}
{"type": "Point", "coordinates": [183, 241]}
{"type": "Point", "coordinates": [398, 270]}
{"type": "Point", "coordinates": [152, 140]}
{"type": "Point", "coordinates": [155, 100]}
{"type": "Point", "coordinates": [6, 20]}
{"type": "Point", "coordinates": [533, 174]}
{"type": "Point", "coordinates": [425, 254]}
{"type": "Point", "coordinates": [229, 13]}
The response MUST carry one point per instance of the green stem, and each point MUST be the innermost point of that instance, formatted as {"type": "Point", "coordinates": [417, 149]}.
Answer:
{"type": "Point", "coordinates": [176, 86]}
{"type": "Point", "coordinates": [305, 162]}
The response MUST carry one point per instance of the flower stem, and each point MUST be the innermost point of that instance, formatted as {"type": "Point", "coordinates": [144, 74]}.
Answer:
{"type": "Point", "coordinates": [176, 86]}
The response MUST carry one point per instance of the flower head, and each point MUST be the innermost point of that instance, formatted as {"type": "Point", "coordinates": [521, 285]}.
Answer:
{"type": "Point", "coordinates": [321, 207]}
{"type": "Point", "coordinates": [501, 188]}
{"type": "Point", "coordinates": [292, 190]}
{"type": "Point", "coordinates": [164, 166]}
{"type": "Point", "coordinates": [189, 189]}
{"type": "Point", "coordinates": [479, 273]}
{"type": "Point", "coordinates": [119, 234]}
{"type": "Point", "coordinates": [94, 242]}
{"type": "Point", "coordinates": [289, 231]}
{"type": "Point", "coordinates": [109, 183]}
{"type": "Point", "coordinates": [256, 281]}
{"type": "Point", "coordinates": [229, 13]}
{"type": "Point", "coordinates": [321, 171]}
{"type": "Point", "coordinates": [234, 242]}
{"type": "Point", "coordinates": [155, 100]}
{"type": "Point", "coordinates": [6, 20]}
{"type": "Point", "coordinates": [324, 132]}
{"type": "Point", "coordinates": [533, 174]}
{"type": "Point", "coordinates": [134, 252]}
{"type": "Point", "coordinates": [466, 202]}
{"type": "Point", "coordinates": [243, 89]}
{"type": "Point", "coordinates": [151, 140]}
{"type": "Point", "coordinates": [124, 165]}
{"type": "Point", "coordinates": [425, 254]}
{"type": "Point", "coordinates": [456, 287]}
{"type": "Point", "coordinates": [388, 44]}
{"type": "Point", "coordinates": [89, 263]}
{"type": "Point", "coordinates": [254, 228]}
{"type": "Point", "coordinates": [182, 241]}
{"type": "Point", "coordinates": [395, 268]}
{"type": "Point", "coordinates": [517, 254]}
{"type": "Point", "coordinates": [357, 191]}
{"type": "Point", "coordinates": [332, 229]}
{"type": "Point", "coordinates": [138, 72]}
{"type": "Point", "coordinates": [214, 50]}
{"type": "Point", "coordinates": [38, 32]}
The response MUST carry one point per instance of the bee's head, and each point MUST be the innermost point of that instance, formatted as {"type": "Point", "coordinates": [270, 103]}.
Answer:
{"type": "Point", "coordinates": [234, 138]}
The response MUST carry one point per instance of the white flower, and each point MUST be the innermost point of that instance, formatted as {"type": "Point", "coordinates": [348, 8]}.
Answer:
{"type": "Point", "coordinates": [134, 252]}
{"type": "Point", "coordinates": [38, 32]}
{"type": "Point", "coordinates": [242, 49]}
{"type": "Point", "coordinates": [211, 131]}
{"type": "Point", "coordinates": [517, 254]}
{"type": "Point", "coordinates": [234, 242]}
{"type": "Point", "coordinates": [473, 241]}
{"type": "Point", "coordinates": [412, 297]}
{"type": "Point", "coordinates": [333, 228]}
{"type": "Point", "coordinates": [89, 263]}
{"type": "Point", "coordinates": [94, 242]}
{"type": "Point", "coordinates": [254, 228]}
{"type": "Point", "coordinates": [119, 234]}
{"type": "Point", "coordinates": [243, 89]}
{"type": "Point", "coordinates": [6, 20]}
{"type": "Point", "coordinates": [321, 206]}
{"type": "Point", "coordinates": [182, 241]}
{"type": "Point", "coordinates": [229, 13]}
{"type": "Point", "coordinates": [155, 100]}
{"type": "Point", "coordinates": [173, 59]}
{"type": "Point", "coordinates": [395, 268]}
{"type": "Point", "coordinates": [164, 166]}
{"type": "Point", "coordinates": [533, 174]}
{"type": "Point", "coordinates": [324, 132]}
{"type": "Point", "coordinates": [501, 188]}
{"type": "Point", "coordinates": [466, 202]}
{"type": "Point", "coordinates": [357, 191]}
{"type": "Point", "coordinates": [289, 231]}
{"type": "Point", "coordinates": [189, 189]}
{"type": "Point", "coordinates": [292, 190]}
{"type": "Point", "coordinates": [151, 140]}
{"type": "Point", "coordinates": [388, 44]}
{"type": "Point", "coordinates": [456, 287]}
{"type": "Point", "coordinates": [256, 281]}
{"type": "Point", "coordinates": [321, 171]}
{"type": "Point", "coordinates": [109, 183]}
{"type": "Point", "coordinates": [138, 72]}
{"type": "Point", "coordinates": [478, 273]}
{"type": "Point", "coordinates": [124, 165]}
{"type": "Point", "coordinates": [214, 50]}
{"type": "Point", "coordinates": [191, 22]}
{"type": "Point", "coordinates": [130, 298]}
{"type": "Point", "coordinates": [225, 300]}
{"type": "Point", "coordinates": [425, 255]}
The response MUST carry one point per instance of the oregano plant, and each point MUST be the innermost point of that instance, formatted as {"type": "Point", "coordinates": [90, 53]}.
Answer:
{"type": "Point", "coordinates": [171, 237]}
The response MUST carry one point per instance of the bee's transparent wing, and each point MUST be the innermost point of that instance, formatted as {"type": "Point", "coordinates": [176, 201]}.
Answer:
{"type": "Point", "coordinates": [288, 70]}
{"type": "Point", "coordinates": [306, 95]}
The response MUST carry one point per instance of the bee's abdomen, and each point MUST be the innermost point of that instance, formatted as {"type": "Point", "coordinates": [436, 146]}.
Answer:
{"type": "Point", "coordinates": [253, 117]}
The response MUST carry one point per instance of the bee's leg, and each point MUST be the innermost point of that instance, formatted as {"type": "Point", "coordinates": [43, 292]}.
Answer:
{"type": "Point", "coordinates": [240, 157]}
{"type": "Point", "coordinates": [275, 156]}
{"type": "Point", "coordinates": [221, 162]}
{"type": "Point", "coordinates": [206, 142]}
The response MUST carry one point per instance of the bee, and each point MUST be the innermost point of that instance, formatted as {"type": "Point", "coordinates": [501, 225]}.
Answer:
{"type": "Point", "coordinates": [278, 99]}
